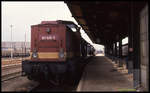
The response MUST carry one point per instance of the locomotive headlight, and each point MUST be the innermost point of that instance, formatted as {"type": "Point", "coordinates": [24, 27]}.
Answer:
{"type": "Point", "coordinates": [34, 55]}
{"type": "Point", "coordinates": [61, 53]}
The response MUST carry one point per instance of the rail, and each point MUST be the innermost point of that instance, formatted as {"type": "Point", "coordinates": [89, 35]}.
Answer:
{"type": "Point", "coordinates": [10, 76]}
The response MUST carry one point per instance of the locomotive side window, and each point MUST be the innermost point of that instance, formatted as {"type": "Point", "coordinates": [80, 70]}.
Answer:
{"type": "Point", "coordinates": [72, 27]}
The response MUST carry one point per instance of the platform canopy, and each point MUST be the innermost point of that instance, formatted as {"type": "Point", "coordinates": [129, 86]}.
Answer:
{"type": "Point", "coordinates": [103, 21]}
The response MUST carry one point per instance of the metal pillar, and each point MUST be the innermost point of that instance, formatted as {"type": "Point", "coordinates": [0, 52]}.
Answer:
{"type": "Point", "coordinates": [112, 53]}
{"type": "Point", "coordinates": [108, 48]}
{"type": "Point", "coordinates": [11, 43]}
{"type": "Point", "coordinates": [115, 52]}
{"type": "Point", "coordinates": [25, 44]}
{"type": "Point", "coordinates": [113, 49]}
{"type": "Point", "coordinates": [130, 42]}
{"type": "Point", "coordinates": [120, 53]}
{"type": "Point", "coordinates": [105, 50]}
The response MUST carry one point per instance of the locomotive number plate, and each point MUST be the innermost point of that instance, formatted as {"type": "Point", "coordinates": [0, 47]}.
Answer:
{"type": "Point", "coordinates": [49, 37]}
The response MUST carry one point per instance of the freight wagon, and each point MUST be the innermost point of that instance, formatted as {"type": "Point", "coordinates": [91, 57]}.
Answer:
{"type": "Point", "coordinates": [15, 53]}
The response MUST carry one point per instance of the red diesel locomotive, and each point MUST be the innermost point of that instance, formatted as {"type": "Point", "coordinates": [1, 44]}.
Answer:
{"type": "Point", "coordinates": [56, 46]}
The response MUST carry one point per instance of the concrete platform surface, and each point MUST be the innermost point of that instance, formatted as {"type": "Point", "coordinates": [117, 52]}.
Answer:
{"type": "Point", "coordinates": [101, 75]}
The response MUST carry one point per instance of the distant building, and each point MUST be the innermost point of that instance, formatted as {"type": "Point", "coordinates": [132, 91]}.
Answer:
{"type": "Point", "coordinates": [18, 48]}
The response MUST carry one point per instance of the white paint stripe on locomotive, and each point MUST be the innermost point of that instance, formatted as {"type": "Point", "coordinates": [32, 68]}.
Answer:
{"type": "Point", "coordinates": [11, 65]}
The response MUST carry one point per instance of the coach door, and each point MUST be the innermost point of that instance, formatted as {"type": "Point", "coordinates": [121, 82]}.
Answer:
{"type": "Point", "coordinates": [144, 47]}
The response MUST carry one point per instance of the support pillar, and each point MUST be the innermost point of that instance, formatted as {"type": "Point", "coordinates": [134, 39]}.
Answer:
{"type": "Point", "coordinates": [130, 41]}
{"type": "Point", "coordinates": [116, 52]}
{"type": "Point", "coordinates": [120, 53]}
{"type": "Point", "coordinates": [105, 50]}
{"type": "Point", "coordinates": [136, 45]}
{"type": "Point", "coordinates": [112, 52]}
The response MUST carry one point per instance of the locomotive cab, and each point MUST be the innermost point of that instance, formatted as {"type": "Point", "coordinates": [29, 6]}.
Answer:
{"type": "Point", "coordinates": [48, 42]}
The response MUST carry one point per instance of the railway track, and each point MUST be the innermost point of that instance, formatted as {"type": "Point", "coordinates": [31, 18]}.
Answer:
{"type": "Point", "coordinates": [10, 76]}
{"type": "Point", "coordinates": [5, 67]}
{"type": "Point", "coordinates": [10, 71]}
{"type": "Point", "coordinates": [31, 86]}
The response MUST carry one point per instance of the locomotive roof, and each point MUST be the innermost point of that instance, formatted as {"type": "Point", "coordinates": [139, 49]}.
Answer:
{"type": "Point", "coordinates": [56, 22]}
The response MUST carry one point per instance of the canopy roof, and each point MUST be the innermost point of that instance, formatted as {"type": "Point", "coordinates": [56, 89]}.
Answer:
{"type": "Point", "coordinates": [104, 21]}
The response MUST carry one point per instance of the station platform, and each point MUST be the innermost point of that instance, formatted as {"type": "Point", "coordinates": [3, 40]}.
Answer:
{"type": "Point", "coordinates": [101, 74]}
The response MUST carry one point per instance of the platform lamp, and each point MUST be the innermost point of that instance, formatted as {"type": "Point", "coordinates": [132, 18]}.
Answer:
{"type": "Point", "coordinates": [11, 43]}
{"type": "Point", "coordinates": [25, 44]}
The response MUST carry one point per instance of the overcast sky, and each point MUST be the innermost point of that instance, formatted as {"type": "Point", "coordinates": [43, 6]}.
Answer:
{"type": "Point", "coordinates": [24, 14]}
